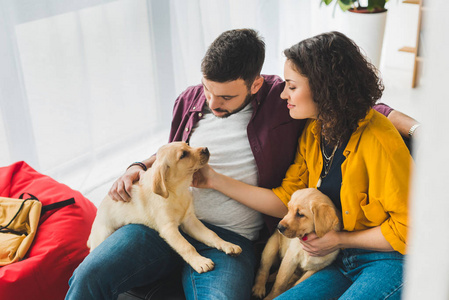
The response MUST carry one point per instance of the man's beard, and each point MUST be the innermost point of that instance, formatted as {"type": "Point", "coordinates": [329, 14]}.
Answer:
{"type": "Point", "coordinates": [248, 99]}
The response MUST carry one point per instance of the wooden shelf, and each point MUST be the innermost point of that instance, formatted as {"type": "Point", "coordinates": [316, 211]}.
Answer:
{"type": "Point", "coordinates": [408, 49]}
{"type": "Point", "coordinates": [414, 50]}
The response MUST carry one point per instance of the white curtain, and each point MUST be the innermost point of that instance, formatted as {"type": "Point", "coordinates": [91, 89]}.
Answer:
{"type": "Point", "coordinates": [77, 82]}
{"type": "Point", "coordinates": [88, 86]}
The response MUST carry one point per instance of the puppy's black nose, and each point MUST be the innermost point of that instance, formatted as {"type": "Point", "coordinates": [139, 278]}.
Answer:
{"type": "Point", "coordinates": [205, 151]}
{"type": "Point", "coordinates": [281, 228]}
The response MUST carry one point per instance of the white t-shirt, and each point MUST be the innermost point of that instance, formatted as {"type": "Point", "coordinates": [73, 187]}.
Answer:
{"type": "Point", "coordinates": [231, 155]}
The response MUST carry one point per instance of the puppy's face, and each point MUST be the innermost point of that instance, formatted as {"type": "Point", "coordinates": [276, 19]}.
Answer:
{"type": "Point", "coordinates": [309, 211]}
{"type": "Point", "coordinates": [182, 159]}
{"type": "Point", "coordinates": [299, 219]}
{"type": "Point", "coordinates": [175, 163]}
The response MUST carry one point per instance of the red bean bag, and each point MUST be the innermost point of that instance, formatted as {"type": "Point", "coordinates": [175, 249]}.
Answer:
{"type": "Point", "coordinates": [60, 242]}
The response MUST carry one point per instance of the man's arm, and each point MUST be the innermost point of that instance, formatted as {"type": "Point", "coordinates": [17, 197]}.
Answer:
{"type": "Point", "coordinates": [121, 189]}
{"type": "Point", "coordinates": [406, 125]}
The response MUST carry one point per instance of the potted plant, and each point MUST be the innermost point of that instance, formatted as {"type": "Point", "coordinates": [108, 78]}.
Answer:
{"type": "Point", "coordinates": [373, 6]}
{"type": "Point", "coordinates": [365, 24]}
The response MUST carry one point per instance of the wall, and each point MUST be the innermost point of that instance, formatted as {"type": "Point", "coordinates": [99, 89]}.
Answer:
{"type": "Point", "coordinates": [428, 260]}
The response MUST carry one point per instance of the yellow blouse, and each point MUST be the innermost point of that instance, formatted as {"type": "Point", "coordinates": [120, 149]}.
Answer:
{"type": "Point", "coordinates": [375, 177]}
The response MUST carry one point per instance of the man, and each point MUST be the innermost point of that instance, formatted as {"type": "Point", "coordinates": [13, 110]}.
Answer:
{"type": "Point", "coordinates": [239, 116]}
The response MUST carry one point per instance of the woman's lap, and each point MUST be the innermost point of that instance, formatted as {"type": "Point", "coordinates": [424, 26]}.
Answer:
{"type": "Point", "coordinates": [356, 274]}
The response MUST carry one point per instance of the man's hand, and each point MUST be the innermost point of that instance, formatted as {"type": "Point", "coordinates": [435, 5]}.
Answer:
{"type": "Point", "coordinates": [122, 187]}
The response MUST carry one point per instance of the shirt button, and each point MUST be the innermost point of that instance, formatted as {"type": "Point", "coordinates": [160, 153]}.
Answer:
{"type": "Point", "coordinates": [200, 115]}
{"type": "Point", "coordinates": [347, 212]}
{"type": "Point", "coordinates": [194, 107]}
{"type": "Point", "coordinates": [187, 128]}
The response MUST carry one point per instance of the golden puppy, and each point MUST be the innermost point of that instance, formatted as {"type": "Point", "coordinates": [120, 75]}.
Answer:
{"type": "Point", "coordinates": [309, 210]}
{"type": "Point", "coordinates": [162, 200]}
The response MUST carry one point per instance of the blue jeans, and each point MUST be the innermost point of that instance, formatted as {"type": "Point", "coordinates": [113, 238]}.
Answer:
{"type": "Point", "coordinates": [136, 255]}
{"type": "Point", "coordinates": [355, 274]}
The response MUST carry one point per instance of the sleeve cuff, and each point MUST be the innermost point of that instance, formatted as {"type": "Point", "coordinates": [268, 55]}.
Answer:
{"type": "Point", "coordinates": [281, 194]}
{"type": "Point", "coordinates": [392, 239]}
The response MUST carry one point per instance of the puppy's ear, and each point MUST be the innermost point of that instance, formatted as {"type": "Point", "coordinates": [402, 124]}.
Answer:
{"type": "Point", "coordinates": [325, 218]}
{"type": "Point", "coordinates": [159, 185]}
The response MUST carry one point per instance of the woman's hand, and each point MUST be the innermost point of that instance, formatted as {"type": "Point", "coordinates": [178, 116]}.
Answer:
{"type": "Point", "coordinates": [203, 178]}
{"type": "Point", "coordinates": [316, 246]}
{"type": "Point", "coordinates": [370, 239]}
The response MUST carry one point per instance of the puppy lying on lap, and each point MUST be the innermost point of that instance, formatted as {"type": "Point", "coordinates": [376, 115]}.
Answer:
{"type": "Point", "coordinates": [162, 201]}
{"type": "Point", "coordinates": [309, 211]}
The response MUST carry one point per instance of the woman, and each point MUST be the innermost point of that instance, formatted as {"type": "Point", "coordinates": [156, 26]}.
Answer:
{"type": "Point", "coordinates": [351, 153]}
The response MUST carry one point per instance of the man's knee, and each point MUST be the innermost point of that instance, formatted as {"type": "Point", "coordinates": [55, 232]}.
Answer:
{"type": "Point", "coordinates": [232, 277]}
{"type": "Point", "coordinates": [88, 282]}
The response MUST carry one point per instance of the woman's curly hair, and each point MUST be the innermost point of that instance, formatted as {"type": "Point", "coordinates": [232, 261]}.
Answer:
{"type": "Point", "coordinates": [343, 83]}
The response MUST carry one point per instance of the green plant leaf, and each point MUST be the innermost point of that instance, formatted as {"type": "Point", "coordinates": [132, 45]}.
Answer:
{"type": "Point", "coordinates": [376, 4]}
{"type": "Point", "coordinates": [327, 2]}
{"type": "Point", "coordinates": [345, 4]}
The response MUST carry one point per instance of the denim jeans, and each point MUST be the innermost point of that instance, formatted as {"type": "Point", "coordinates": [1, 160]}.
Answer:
{"type": "Point", "coordinates": [355, 274]}
{"type": "Point", "coordinates": [136, 255]}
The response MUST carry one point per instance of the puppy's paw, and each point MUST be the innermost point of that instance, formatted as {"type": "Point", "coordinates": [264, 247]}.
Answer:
{"type": "Point", "coordinates": [202, 264]}
{"type": "Point", "coordinates": [259, 290]}
{"type": "Point", "coordinates": [92, 243]}
{"type": "Point", "coordinates": [230, 249]}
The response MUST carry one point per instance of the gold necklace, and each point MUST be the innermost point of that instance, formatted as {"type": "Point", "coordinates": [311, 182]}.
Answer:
{"type": "Point", "coordinates": [327, 161]}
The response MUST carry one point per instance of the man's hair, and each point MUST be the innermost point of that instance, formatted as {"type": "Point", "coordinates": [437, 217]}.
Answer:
{"type": "Point", "coordinates": [344, 85]}
{"type": "Point", "coordinates": [235, 54]}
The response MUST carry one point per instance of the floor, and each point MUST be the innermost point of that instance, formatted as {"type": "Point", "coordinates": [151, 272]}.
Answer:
{"type": "Point", "coordinates": [399, 94]}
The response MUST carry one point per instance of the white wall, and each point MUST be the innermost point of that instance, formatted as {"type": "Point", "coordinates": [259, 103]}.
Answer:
{"type": "Point", "coordinates": [428, 261]}
{"type": "Point", "coordinates": [401, 30]}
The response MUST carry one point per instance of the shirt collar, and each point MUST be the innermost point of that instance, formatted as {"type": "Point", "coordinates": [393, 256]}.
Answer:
{"type": "Point", "coordinates": [355, 137]}
{"type": "Point", "coordinates": [198, 105]}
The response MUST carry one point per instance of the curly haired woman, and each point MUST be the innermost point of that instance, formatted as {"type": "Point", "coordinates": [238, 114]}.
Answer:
{"type": "Point", "coordinates": [351, 153]}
